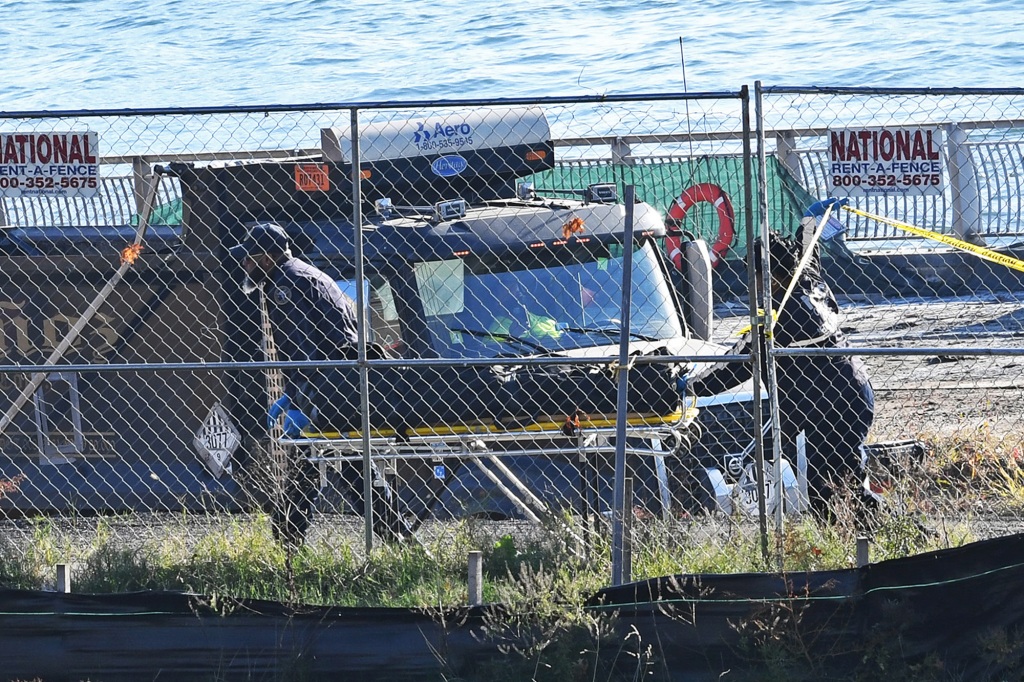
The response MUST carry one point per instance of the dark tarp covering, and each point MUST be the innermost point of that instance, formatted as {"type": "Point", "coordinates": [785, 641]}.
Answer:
{"type": "Point", "coordinates": [174, 636]}
{"type": "Point", "coordinates": [959, 612]}
{"type": "Point", "coordinates": [949, 614]}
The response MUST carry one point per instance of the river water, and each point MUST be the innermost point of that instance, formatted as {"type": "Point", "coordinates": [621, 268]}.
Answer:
{"type": "Point", "coordinates": [88, 54]}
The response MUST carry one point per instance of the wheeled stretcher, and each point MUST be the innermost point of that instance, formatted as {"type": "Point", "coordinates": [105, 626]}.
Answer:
{"type": "Point", "coordinates": [419, 467]}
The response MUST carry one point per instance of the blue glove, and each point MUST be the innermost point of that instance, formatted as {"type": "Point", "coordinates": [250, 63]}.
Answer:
{"type": "Point", "coordinates": [277, 409]}
{"type": "Point", "coordinates": [681, 383]}
{"type": "Point", "coordinates": [817, 209]}
{"type": "Point", "coordinates": [294, 422]}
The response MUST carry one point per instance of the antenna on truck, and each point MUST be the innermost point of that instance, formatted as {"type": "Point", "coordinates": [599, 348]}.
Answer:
{"type": "Point", "coordinates": [686, 90]}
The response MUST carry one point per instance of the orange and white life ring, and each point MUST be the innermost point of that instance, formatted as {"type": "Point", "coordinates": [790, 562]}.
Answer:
{"type": "Point", "coordinates": [715, 195]}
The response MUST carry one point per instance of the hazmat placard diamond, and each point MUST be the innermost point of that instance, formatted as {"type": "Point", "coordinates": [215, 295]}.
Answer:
{"type": "Point", "coordinates": [216, 440]}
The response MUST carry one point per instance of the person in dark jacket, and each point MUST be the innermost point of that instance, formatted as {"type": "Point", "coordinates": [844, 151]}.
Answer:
{"type": "Point", "coordinates": [312, 319]}
{"type": "Point", "coordinates": [828, 397]}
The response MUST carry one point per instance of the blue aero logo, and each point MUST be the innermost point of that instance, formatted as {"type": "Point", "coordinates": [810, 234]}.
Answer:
{"type": "Point", "coordinates": [425, 132]}
{"type": "Point", "coordinates": [448, 166]}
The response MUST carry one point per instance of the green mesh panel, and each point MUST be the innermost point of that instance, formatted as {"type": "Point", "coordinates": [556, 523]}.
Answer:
{"type": "Point", "coordinates": [163, 214]}
{"type": "Point", "coordinates": [660, 181]}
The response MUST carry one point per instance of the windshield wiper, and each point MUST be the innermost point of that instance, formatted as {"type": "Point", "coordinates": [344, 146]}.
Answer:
{"type": "Point", "coordinates": [608, 331]}
{"type": "Point", "coordinates": [501, 337]}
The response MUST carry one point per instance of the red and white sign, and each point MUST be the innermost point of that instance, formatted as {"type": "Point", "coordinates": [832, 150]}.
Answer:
{"type": "Point", "coordinates": [49, 164]}
{"type": "Point", "coordinates": [891, 160]}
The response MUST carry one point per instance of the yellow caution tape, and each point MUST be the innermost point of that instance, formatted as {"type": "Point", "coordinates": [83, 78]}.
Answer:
{"type": "Point", "coordinates": [760, 313]}
{"type": "Point", "coordinates": [980, 251]}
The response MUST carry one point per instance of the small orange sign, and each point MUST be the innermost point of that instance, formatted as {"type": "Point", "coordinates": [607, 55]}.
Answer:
{"type": "Point", "coordinates": [572, 226]}
{"type": "Point", "coordinates": [312, 177]}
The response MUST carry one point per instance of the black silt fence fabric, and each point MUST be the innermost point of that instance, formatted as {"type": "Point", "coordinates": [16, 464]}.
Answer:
{"type": "Point", "coordinates": [945, 610]}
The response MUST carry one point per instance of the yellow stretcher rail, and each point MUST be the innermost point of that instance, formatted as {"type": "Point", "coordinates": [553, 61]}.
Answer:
{"type": "Point", "coordinates": [980, 251]}
{"type": "Point", "coordinates": [687, 414]}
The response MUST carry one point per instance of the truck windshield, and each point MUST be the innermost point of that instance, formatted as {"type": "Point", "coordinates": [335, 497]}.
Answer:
{"type": "Point", "coordinates": [547, 301]}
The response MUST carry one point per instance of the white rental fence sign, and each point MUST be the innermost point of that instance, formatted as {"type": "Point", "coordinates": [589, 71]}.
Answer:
{"type": "Point", "coordinates": [49, 164]}
{"type": "Point", "coordinates": [891, 160]}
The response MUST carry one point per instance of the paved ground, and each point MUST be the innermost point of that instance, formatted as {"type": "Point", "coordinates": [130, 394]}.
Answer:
{"type": "Point", "coordinates": [941, 390]}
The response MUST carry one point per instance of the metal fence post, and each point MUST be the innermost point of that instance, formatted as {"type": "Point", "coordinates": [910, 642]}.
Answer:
{"type": "Point", "coordinates": [619, 494]}
{"type": "Point", "coordinates": [963, 183]}
{"type": "Point", "coordinates": [361, 302]}
{"type": "Point", "coordinates": [757, 357]}
{"type": "Point", "coordinates": [476, 578]}
{"type": "Point", "coordinates": [141, 182]}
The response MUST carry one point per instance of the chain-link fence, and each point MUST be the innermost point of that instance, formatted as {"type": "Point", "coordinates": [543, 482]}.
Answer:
{"type": "Point", "coordinates": [275, 315]}
{"type": "Point", "coordinates": [923, 256]}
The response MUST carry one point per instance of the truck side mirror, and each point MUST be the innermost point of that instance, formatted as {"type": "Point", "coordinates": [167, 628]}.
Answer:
{"type": "Point", "coordinates": [697, 297]}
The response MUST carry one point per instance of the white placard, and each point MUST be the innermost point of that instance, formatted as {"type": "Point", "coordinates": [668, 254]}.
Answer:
{"type": "Point", "coordinates": [49, 164]}
{"type": "Point", "coordinates": [216, 440]}
{"type": "Point", "coordinates": [891, 160]}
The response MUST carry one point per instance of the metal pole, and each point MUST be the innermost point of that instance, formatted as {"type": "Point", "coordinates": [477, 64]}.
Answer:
{"type": "Point", "coordinates": [505, 490]}
{"type": "Point", "coordinates": [364, 375]}
{"type": "Point", "coordinates": [766, 328]}
{"type": "Point", "coordinates": [754, 296]}
{"type": "Point", "coordinates": [140, 180]}
{"type": "Point", "coordinates": [627, 533]}
{"type": "Point", "coordinates": [128, 257]}
{"type": "Point", "coordinates": [528, 495]}
{"type": "Point", "coordinates": [619, 494]}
